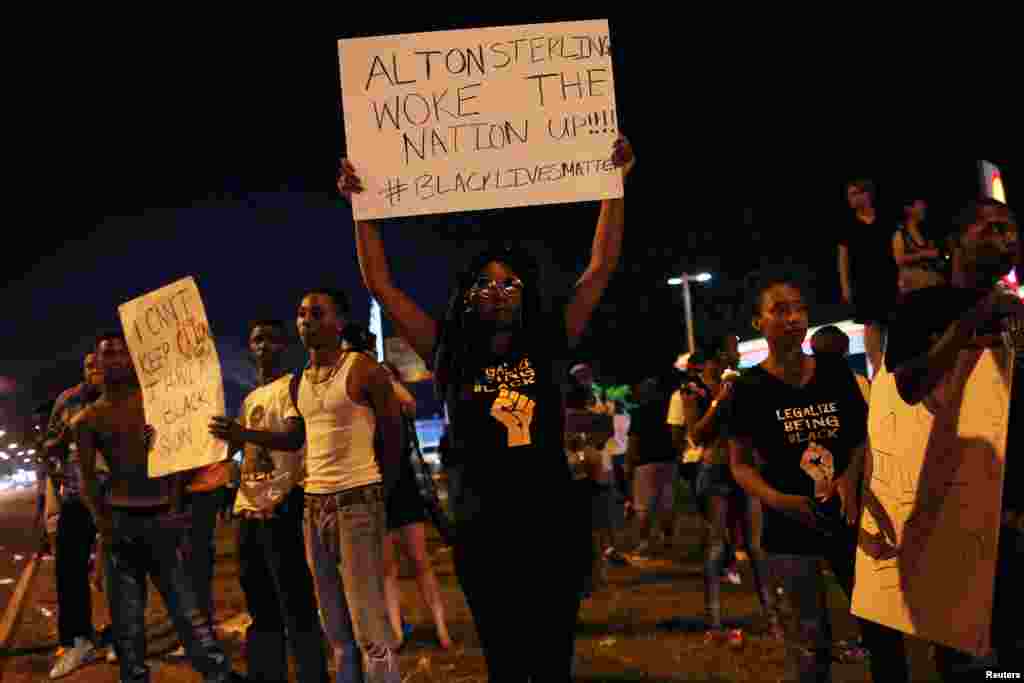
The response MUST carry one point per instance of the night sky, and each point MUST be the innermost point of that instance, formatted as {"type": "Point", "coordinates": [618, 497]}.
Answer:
{"type": "Point", "coordinates": [212, 153]}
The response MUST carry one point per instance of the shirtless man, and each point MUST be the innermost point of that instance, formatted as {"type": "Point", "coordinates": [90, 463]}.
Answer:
{"type": "Point", "coordinates": [138, 524]}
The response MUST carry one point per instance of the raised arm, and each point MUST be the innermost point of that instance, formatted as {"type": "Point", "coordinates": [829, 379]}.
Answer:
{"type": "Point", "coordinates": [704, 427]}
{"type": "Point", "coordinates": [414, 325]}
{"type": "Point", "coordinates": [917, 378]}
{"type": "Point", "coordinates": [604, 254]}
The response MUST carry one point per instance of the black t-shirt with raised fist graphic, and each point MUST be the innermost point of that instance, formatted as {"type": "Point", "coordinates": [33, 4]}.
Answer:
{"type": "Point", "coordinates": [804, 436]}
{"type": "Point", "coordinates": [507, 426]}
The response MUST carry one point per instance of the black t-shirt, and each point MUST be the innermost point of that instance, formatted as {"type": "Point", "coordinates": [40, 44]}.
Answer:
{"type": "Point", "coordinates": [919, 322]}
{"type": "Point", "coordinates": [873, 270]}
{"type": "Point", "coordinates": [507, 427]}
{"type": "Point", "coordinates": [800, 433]}
{"type": "Point", "coordinates": [648, 424]}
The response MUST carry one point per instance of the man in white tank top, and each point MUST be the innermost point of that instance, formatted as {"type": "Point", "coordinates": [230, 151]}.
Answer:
{"type": "Point", "coordinates": [346, 400]}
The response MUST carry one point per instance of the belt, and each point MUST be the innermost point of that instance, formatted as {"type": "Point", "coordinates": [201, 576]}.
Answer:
{"type": "Point", "coordinates": [261, 515]}
{"type": "Point", "coordinates": [370, 493]}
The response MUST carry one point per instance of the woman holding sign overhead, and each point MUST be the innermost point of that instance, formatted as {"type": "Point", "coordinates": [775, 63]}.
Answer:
{"type": "Point", "coordinates": [497, 361]}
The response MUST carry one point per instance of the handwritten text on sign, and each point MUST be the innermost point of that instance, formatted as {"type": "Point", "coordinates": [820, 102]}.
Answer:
{"type": "Point", "coordinates": [481, 118]}
{"type": "Point", "coordinates": [926, 557]}
{"type": "Point", "coordinates": [177, 364]}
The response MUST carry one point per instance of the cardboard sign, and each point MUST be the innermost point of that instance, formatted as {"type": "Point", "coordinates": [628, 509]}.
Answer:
{"type": "Point", "coordinates": [929, 535]}
{"type": "Point", "coordinates": [176, 361]}
{"type": "Point", "coordinates": [481, 118]}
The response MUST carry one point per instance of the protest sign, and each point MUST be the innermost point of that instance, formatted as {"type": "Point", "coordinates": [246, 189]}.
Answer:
{"type": "Point", "coordinates": [480, 118]}
{"type": "Point", "coordinates": [176, 360]}
{"type": "Point", "coordinates": [926, 556]}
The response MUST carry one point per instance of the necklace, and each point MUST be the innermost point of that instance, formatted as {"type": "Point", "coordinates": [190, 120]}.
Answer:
{"type": "Point", "coordinates": [321, 387]}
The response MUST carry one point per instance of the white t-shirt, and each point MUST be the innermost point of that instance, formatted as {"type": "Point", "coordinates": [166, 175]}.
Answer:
{"type": "Point", "coordinates": [677, 418]}
{"type": "Point", "coordinates": [267, 477]}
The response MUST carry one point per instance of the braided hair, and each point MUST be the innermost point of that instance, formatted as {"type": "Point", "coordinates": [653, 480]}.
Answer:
{"type": "Point", "coordinates": [463, 338]}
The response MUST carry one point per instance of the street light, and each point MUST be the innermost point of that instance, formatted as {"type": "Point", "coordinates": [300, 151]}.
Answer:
{"type": "Point", "coordinates": [685, 279]}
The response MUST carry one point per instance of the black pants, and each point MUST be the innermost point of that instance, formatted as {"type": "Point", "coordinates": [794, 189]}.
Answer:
{"type": "Point", "coordinates": [76, 537]}
{"type": "Point", "coordinates": [1007, 633]}
{"type": "Point", "coordinates": [200, 545]}
{"type": "Point", "coordinates": [279, 592]}
{"type": "Point", "coordinates": [146, 543]}
{"type": "Point", "coordinates": [539, 595]}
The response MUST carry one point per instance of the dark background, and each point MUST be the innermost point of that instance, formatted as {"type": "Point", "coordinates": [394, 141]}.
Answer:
{"type": "Point", "coordinates": [211, 150]}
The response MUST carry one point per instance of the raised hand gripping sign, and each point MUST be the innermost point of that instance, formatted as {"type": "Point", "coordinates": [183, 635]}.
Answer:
{"type": "Point", "coordinates": [480, 118]}
{"type": "Point", "coordinates": [179, 371]}
{"type": "Point", "coordinates": [926, 556]}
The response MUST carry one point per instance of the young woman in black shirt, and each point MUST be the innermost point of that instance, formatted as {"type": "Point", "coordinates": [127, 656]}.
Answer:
{"type": "Point", "coordinates": [806, 420]}
{"type": "Point", "coordinates": [498, 362]}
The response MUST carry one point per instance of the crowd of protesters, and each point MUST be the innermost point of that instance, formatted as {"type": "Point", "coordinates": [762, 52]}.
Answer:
{"type": "Point", "coordinates": [332, 484]}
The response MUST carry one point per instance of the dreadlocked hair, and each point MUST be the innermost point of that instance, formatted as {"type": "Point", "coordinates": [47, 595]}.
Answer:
{"type": "Point", "coordinates": [463, 338]}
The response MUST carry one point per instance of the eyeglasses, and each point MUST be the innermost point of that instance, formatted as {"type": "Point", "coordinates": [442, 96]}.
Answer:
{"type": "Point", "coordinates": [507, 287]}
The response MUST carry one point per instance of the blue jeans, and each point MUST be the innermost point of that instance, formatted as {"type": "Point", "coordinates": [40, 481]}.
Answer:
{"type": "Point", "coordinates": [344, 535]}
{"type": "Point", "coordinates": [147, 543]}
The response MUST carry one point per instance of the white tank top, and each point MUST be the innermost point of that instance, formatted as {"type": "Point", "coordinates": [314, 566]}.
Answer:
{"type": "Point", "coordinates": [339, 435]}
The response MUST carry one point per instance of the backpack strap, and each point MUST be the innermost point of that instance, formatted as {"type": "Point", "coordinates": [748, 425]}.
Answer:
{"type": "Point", "coordinates": [293, 389]}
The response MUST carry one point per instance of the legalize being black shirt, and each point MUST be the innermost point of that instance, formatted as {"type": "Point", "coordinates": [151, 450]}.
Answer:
{"type": "Point", "coordinates": [921, 319]}
{"type": "Point", "coordinates": [804, 436]}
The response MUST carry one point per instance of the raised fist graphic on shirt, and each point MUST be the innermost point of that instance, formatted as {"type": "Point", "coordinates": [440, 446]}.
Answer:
{"type": "Point", "coordinates": [515, 411]}
{"type": "Point", "coordinates": [819, 465]}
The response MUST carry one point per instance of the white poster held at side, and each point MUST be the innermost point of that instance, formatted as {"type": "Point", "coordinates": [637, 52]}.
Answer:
{"type": "Point", "coordinates": [480, 118]}
{"type": "Point", "coordinates": [929, 536]}
{"type": "Point", "coordinates": [179, 371]}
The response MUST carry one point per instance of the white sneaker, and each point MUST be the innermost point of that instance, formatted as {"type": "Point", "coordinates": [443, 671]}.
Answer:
{"type": "Point", "coordinates": [74, 658]}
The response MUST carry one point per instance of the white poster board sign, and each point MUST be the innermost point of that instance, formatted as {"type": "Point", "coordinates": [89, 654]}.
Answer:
{"type": "Point", "coordinates": [176, 360]}
{"type": "Point", "coordinates": [929, 535]}
{"type": "Point", "coordinates": [480, 118]}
